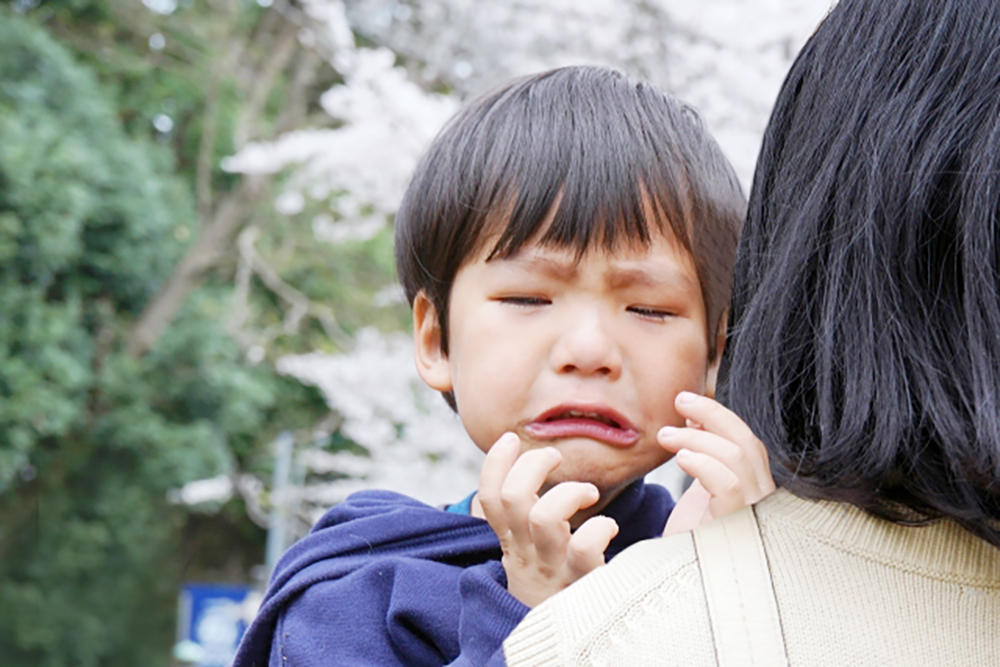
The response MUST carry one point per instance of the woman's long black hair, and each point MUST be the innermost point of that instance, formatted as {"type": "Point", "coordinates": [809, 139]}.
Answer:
{"type": "Point", "coordinates": [865, 328]}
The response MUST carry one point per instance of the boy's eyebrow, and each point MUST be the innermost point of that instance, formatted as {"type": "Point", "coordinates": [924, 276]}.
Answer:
{"type": "Point", "coordinates": [623, 276]}
{"type": "Point", "coordinates": [619, 275]}
{"type": "Point", "coordinates": [555, 267]}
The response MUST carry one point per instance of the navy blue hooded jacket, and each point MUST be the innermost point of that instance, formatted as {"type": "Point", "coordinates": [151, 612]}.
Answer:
{"type": "Point", "coordinates": [383, 579]}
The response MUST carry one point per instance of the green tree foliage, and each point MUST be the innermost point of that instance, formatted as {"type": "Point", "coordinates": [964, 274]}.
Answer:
{"type": "Point", "coordinates": [91, 439]}
{"type": "Point", "coordinates": [226, 73]}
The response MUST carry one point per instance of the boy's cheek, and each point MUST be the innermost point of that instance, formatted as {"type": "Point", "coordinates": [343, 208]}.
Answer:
{"type": "Point", "coordinates": [485, 424]}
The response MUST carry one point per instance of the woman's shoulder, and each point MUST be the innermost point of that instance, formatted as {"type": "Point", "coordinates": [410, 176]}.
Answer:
{"type": "Point", "coordinates": [648, 600]}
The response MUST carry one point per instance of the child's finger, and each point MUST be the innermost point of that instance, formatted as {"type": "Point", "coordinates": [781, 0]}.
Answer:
{"type": "Point", "coordinates": [549, 518]}
{"type": "Point", "coordinates": [742, 451]}
{"type": "Point", "coordinates": [519, 492]}
{"type": "Point", "coordinates": [586, 548]}
{"type": "Point", "coordinates": [690, 510]}
{"type": "Point", "coordinates": [714, 417]}
{"type": "Point", "coordinates": [499, 460]}
{"type": "Point", "coordinates": [726, 488]}
{"type": "Point", "coordinates": [747, 465]}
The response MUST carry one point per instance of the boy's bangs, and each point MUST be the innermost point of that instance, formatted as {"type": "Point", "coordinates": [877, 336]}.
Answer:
{"type": "Point", "coordinates": [589, 172]}
{"type": "Point", "coordinates": [584, 218]}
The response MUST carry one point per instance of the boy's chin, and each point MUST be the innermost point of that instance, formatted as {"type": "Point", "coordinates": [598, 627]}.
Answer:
{"type": "Point", "coordinates": [609, 471]}
{"type": "Point", "coordinates": [608, 483]}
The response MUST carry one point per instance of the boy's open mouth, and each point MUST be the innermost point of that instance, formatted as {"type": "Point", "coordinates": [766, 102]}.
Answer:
{"type": "Point", "coordinates": [597, 423]}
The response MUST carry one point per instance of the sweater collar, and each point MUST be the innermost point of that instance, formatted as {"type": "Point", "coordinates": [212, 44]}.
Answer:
{"type": "Point", "coordinates": [940, 549]}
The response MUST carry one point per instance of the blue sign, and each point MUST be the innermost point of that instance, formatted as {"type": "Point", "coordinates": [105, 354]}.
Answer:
{"type": "Point", "coordinates": [211, 621]}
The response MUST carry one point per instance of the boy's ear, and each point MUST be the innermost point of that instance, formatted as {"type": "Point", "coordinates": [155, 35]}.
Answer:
{"type": "Point", "coordinates": [432, 362]}
{"type": "Point", "coordinates": [713, 365]}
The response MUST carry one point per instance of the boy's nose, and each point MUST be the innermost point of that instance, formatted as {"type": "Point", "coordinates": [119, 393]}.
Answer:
{"type": "Point", "coordinates": [587, 347]}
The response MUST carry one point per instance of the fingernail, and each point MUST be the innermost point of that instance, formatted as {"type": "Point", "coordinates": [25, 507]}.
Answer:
{"type": "Point", "coordinates": [552, 452]}
{"type": "Point", "coordinates": [667, 431]}
{"type": "Point", "coordinates": [683, 453]}
{"type": "Point", "coordinates": [686, 397]}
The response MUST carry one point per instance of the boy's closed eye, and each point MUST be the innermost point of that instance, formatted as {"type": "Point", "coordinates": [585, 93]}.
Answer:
{"type": "Point", "coordinates": [527, 301]}
{"type": "Point", "coordinates": [658, 314]}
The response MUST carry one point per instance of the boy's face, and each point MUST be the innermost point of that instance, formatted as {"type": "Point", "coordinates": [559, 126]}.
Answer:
{"type": "Point", "coordinates": [585, 356]}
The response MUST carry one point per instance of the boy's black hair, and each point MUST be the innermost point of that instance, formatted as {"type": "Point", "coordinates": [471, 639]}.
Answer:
{"type": "Point", "coordinates": [603, 148]}
{"type": "Point", "coordinates": [864, 340]}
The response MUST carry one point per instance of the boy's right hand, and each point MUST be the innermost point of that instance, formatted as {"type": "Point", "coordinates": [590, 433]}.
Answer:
{"type": "Point", "coordinates": [541, 554]}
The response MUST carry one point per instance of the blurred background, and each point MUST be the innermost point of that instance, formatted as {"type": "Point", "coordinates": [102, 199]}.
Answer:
{"type": "Point", "coordinates": [202, 344]}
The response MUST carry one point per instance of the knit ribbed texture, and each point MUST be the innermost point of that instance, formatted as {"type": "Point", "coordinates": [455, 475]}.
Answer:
{"type": "Point", "coordinates": [851, 590]}
{"type": "Point", "coordinates": [855, 590]}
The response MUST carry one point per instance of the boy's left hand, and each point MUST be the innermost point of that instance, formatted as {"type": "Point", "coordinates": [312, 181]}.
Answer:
{"type": "Point", "coordinates": [728, 462]}
{"type": "Point", "coordinates": [541, 555]}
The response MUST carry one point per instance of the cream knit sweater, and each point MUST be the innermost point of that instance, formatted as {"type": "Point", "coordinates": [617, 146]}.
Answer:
{"type": "Point", "coordinates": [851, 590]}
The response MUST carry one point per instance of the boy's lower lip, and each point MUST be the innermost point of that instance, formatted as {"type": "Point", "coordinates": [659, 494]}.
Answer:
{"type": "Point", "coordinates": [583, 428]}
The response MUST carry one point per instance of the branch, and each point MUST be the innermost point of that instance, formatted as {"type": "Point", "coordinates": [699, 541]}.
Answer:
{"type": "Point", "coordinates": [206, 149]}
{"type": "Point", "coordinates": [296, 105]}
{"type": "Point", "coordinates": [239, 312]}
{"type": "Point", "coordinates": [301, 305]}
{"type": "Point", "coordinates": [200, 257]}
{"type": "Point", "coordinates": [264, 81]}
